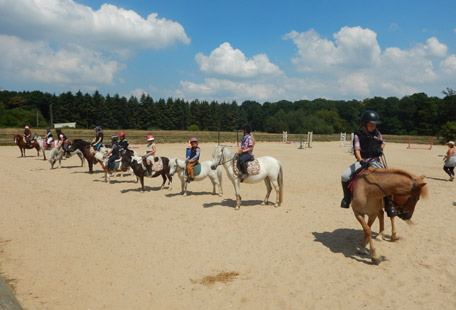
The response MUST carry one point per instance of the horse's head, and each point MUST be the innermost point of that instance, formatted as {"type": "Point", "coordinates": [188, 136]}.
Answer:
{"type": "Point", "coordinates": [217, 157]}
{"type": "Point", "coordinates": [126, 158]}
{"type": "Point", "coordinates": [17, 138]}
{"type": "Point", "coordinates": [173, 166]}
{"type": "Point", "coordinates": [405, 204]}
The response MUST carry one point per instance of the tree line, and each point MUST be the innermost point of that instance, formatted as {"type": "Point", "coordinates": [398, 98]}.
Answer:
{"type": "Point", "coordinates": [417, 114]}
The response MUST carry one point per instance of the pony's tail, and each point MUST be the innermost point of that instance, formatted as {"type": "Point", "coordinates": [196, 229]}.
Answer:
{"type": "Point", "coordinates": [280, 181]}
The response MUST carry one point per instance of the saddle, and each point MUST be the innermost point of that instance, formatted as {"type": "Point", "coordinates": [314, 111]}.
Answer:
{"type": "Point", "coordinates": [158, 164]}
{"type": "Point", "coordinates": [196, 169]}
{"type": "Point", "coordinates": [253, 168]}
{"type": "Point", "coordinates": [354, 178]}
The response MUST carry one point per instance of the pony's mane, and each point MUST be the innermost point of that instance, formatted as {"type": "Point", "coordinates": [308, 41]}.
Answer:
{"type": "Point", "coordinates": [397, 171]}
{"type": "Point", "coordinates": [80, 141]}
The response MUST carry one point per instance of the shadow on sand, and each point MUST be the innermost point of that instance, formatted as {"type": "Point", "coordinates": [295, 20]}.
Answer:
{"type": "Point", "coordinates": [345, 241]}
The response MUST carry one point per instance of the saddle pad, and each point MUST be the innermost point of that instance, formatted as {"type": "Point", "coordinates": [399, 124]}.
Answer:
{"type": "Point", "coordinates": [196, 169]}
{"type": "Point", "coordinates": [253, 168]}
{"type": "Point", "coordinates": [117, 163]}
{"type": "Point", "coordinates": [158, 165]}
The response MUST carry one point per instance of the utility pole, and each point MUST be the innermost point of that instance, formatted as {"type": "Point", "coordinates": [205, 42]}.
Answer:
{"type": "Point", "coordinates": [52, 119]}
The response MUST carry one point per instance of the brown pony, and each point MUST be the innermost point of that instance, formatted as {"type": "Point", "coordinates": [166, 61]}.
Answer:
{"type": "Point", "coordinates": [368, 193]}
{"type": "Point", "coordinates": [19, 140]}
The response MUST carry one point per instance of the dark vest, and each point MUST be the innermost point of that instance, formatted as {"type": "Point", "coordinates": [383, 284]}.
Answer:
{"type": "Point", "coordinates": [123, 144]}
{"type": "Point", "coordinates": [369, 143]}
{"type": "Point", "coordinates": [193, 152]}
{"type": "Point", "coordinates": [99, 135]}
{"type": "Point", "coordinates": [115, 150]}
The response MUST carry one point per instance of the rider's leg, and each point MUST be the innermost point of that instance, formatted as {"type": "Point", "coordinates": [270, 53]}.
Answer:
{"type": "Point", "coordinates": [390, 211]}
{"type": "Point", "coordinates": [345, 203]}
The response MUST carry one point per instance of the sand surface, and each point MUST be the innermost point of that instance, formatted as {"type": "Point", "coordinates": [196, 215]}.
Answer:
{"type": "Point", "coordinates": [70, 241]}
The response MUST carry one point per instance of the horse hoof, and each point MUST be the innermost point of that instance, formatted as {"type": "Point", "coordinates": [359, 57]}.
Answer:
{"type": "Point", "coordinates": [276, 205]}
{"type": "Point", "coordinates": [220, 194]}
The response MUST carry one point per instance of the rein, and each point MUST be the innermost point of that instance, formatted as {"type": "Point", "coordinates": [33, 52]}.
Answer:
{"type": "Point", "coordinates": [221, 156]}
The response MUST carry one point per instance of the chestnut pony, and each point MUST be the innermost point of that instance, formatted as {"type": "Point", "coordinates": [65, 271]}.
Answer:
{"type": "Point", "coordinates": [19, 140]}
{"type": "Point", "coordinates": [368, 192]}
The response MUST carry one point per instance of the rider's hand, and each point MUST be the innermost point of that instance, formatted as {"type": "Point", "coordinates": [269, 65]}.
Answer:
{"type": "Point", "coordinates": [364, 164]}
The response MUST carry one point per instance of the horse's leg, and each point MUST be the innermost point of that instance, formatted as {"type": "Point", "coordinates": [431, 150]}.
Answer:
{"type": "Point", "coordinates": [375, 259]}
{"type": "Point", "coordinates": [90, 162]}
{"type": "Point", "coordinates": [367, 233]}
{"type": "Point", "coordinates": [164, 180]}
{"type": "Point", "coordinates": [267, 182]}
{"type": "Point", "coordinates": [141, 179]}
{"type": "Point", "coordinates": [276, 185]}
{"type": "Point", "coordinates": [213, 181]}
{"type": "Point", "coordinates": [170, 181]}
{"type": "Point", "coordinates": [393, 229]}
{"type": "Point", "coordinates": [238, 194]}
{"type": "Point", "coordinates": [381, 220]}
{"type": "Point", "coordinates": [183, 187]}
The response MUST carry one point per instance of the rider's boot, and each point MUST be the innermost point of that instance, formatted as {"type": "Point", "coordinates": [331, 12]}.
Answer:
{"type": "Point", "coordinates": [345, 203]}
{"type": "Point", "coordinates": [149, 169]}
{"type": "Point", "coordinates": [390, 211]}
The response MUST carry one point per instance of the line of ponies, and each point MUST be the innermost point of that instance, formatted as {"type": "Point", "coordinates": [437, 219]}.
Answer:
{"type": "Point", "coordinates": [371, 186]}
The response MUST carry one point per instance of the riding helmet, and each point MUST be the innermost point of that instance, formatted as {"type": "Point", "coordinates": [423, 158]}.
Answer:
{"type": "Point", "coordinates": [150, 138]}
{"type": "Point", "coordinates": [370, 116]}
{"type": "Point", "coordinates": [27, 127]}
{"type": "Point", "coordinates": [122, 134]}
{"type": "Point", "coordinates": [193, 140]}
{"type": "Point", "coordinates": [97, 128]}
{"type": "Point", "coordinates": [114, 138]}
{"type": "Point", "coordinates": [247, 128]}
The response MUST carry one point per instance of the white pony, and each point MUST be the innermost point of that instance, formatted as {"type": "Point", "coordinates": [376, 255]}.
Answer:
{"type": "Point", "coordinates": [40, 142]}
{"type": "Point", "coordinates": [177, 165]}
{"type": "Point", "coordinates": [57, 154]}
{"type": "Point", "coordinates": [270, 171]}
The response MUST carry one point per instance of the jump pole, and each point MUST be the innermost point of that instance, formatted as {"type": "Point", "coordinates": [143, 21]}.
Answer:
{"type": "Point", "coordinates": [300, 140]}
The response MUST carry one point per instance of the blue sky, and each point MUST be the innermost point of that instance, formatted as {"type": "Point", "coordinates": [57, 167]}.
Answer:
{"type": "Point", "coordinates": [229, 50]}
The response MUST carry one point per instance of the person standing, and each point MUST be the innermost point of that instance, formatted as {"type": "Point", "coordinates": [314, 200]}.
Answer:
{"type": "Point", "coordinates": [450, 160]}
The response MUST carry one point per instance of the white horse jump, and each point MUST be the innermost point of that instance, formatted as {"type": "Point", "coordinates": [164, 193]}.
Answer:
{"type": "Point", "coordinates": [177, 165]}
{"type": "Point", "coordinates": [270, 171]}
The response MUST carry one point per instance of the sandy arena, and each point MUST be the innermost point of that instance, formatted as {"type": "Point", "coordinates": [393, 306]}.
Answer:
{"type": "Point", "coordinates": [68, 240]}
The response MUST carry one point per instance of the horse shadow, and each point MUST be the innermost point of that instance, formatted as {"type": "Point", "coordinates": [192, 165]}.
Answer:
{"type": "Point", "coordinates": [345, 241]}
{"type": "Point", "coordinates": [189, 193]}
{"type": "Point", "coordinates": [85, 171]}
{"type": "Point", "coordinates": [139, 189]}
{"type": "Point", "coordinates": [231, 203]}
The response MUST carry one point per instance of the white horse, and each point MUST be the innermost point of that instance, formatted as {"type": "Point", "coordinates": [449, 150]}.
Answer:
{"type": "Point", "coordinates": [40, 142]}
{"type": "Point", "coordinates": [270, 171]}
{"type": "Point", "coordinates": [177, 165]}
{"type": "Point", "coordinates": [57, 154]}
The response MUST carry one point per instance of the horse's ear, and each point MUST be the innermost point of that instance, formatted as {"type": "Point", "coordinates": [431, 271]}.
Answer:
{"type": "Point", "coordinates": [420, 179]}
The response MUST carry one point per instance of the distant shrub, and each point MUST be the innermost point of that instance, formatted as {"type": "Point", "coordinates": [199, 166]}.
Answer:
{"type": "Point", "coordinates": [193, 128]}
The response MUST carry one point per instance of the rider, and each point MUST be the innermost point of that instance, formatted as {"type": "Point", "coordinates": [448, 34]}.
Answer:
{"type": "Point", "coordinates": [192, 159]}
{"type": "Point", "coordinates": [245, 151]}
{"type": "Point", "coordinates": [123, 143]}
{"type": "Point", "coordinates": [49, 138]}
{"type": "Point", "coordinates": [114, 152]}
{"type": "Point", "coordinates": [150, 154]}
{"type": "Point", "coordinates": [368, 146]}
{"type": "Point", "coordinates": [97, 142]}
{"type": "Point", "coordinates": [64, 142]}
{"type": "Point", "coordinates": [27, 135]}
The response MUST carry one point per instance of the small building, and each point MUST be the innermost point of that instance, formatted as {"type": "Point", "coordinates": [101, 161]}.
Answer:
{"type": "Point", "coordinates": [63, 125]}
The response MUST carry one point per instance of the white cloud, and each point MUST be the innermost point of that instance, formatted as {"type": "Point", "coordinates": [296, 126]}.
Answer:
{"type": "Point", "coordinates": [109, 27]}
{"type": "Point", "coordinates": [227, 90]}
{"type": "Point", "coordinates": [224, 60]}
{"type": "Point", "coordinates": [448, 66]}
{"type": "Point", "coordinates": [354, 47]}
{"type": "Point", "coordinates": [355, 84]}
{"type": "Point", "coordinates": [37, 61]}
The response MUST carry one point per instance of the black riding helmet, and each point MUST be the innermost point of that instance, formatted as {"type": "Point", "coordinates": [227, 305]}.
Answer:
{"type": "Point", "coordinates": [247, 128]}
{"type": "Point", "coordinates": [114, 138]}
{"type": "Point", "coordinates": [370, 116]}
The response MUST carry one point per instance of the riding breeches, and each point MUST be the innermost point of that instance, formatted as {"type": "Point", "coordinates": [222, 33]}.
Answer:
{"type": "Point", "coordinates": [242, 162]}
{"type": "Point", "coordinates": [111, 160]}
{"type": "Point", "coordinates": [350, 170]}
{"type": "Point", "coordinates": [190, 166]}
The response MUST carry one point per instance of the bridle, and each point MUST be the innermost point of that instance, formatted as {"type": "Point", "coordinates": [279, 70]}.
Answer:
{"type": "Point", "coordinates": [402, 209]}
{"type": "Point", "coordinates": [221, 157]}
